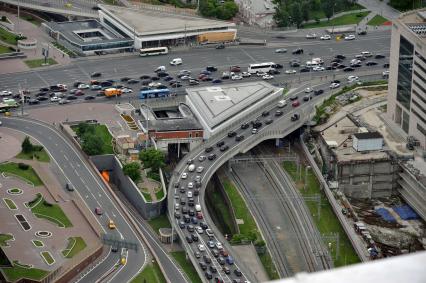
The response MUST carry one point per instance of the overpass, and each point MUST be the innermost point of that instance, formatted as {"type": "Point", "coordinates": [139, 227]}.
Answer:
{"type": "Point", "coordinates": [81, 8]}
{"type": "Point", "coordinates": [279, 128]}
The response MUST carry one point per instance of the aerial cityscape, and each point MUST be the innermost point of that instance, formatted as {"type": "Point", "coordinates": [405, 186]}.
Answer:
{"type": "Point", "coordinates": [226, 141]}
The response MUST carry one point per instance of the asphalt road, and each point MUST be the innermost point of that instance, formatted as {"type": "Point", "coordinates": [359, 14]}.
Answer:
{"type": "Point", "coordinates": [92, 191]}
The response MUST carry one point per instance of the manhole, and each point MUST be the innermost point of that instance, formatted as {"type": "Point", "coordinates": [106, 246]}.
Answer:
{"type": "Point", "coordinates": [15, 191]}
{"type": "Point", "coordinates": [43, 234]}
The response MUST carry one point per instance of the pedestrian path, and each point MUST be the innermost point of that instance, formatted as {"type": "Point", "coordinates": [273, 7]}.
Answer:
{"type": "Point", "coordinates": [380, 8]}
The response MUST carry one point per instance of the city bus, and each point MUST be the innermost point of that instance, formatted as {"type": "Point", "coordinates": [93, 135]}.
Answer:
{"type": "Point", "coordinates": [154, 93]}
{"type": "Point", "coordinates": [261, 67]}
{"type": "Point", "coordinates": [153, 51]}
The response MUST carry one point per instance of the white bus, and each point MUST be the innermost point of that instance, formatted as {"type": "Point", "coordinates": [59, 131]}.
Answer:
{"type": "Point", "coordinates": [153, 51]}
{"type": "Point", "coordinates": [261, 67]}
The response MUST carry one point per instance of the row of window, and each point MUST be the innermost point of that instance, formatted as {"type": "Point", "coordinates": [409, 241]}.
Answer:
{"type": "Point", "coordinates": [421, 57]}
{"type": "Point", "coordinates": [405, 63]}
{"type": "Point", "coordinates": [419, 116]}
{"type": "Point", "coordinates": [420, 66]}
{"type": "Point", "coordinates": [420, 87]}
{"type": "Point", "coordinates": [421, 129]}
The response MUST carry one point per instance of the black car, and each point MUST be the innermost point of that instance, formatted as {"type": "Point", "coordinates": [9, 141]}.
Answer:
{"type": "Point", "coordinates": [162, 74]}
{"type": "Point", "coordinates": [189, 239]}
{"type": "Point", "coordinates": [335, 81]}
{"type": "Point", "coordinates": [168, 78]}
{"type": "Point", "coordinates": [362, 32]}
{"type": "Point", "coordinates": [265, 113]}
{"type": "Point", "coordinates": [245, 126]}
{"type": "Point", "coordinates": [193, 82]}
{"type": "Point", "coordinates": [105, 84]}
{"type": "Point", "coordinates": [95, 75]}
{"type": "Point", "coordinates": [297, 51]}
{"type": "Point", "coordinates": [295, 117]}
{"type": "Point", "coordinates": [208, 149]}
{"type": "Point", "coordinates": [274, 72]}
{"type": "Point", "coordinates": [277, 66]}
{"type": "Point", "coordinates": [145, 77]}
{"type": "Point", "coordinates": [208, 275]}
{"type": "Point", "coordinates": [386, 65]}
{"type": "Point", "coordinates": [71, 97]}
{"type": "Point", "coordinates": [125, 79]}
{"type": "Point", "coordinates": [177, 215]}
{"type": "Point", "coordinates": [133, 81]}
{"type": "Point", "coordinates": [220, 46]}
{"type": "Point", "coordinates": [294, 64]}
{"type": "Point", "coordinates": [186, 218]}
{"type": "Point", "coordinates": [232, 134]}
{"type": "Point", "coordinates": [239, 138]}
{"type": "Point", "coordinates": [318, 92]}
{"type": "Point", "coordinates": [305, 70]}
{"type": "Point", "coordinates": [221, 143]}
{"type": "Point", "coordinates": [89, 97]}
{"type": "Point", "coordinates": [42, 98]}
{"type": "Point", "coordinates": [379, 56]}
{"type": "Point", "coordinates": [213, 269]}
{"type": "Point", "coordinates": [293, 97]}
{"type": "Point", "coordinates": [370, 63]}
{"type": "Point", "coordinates": [226, 270]}
{"type": "Point", "coordinates": [215, 252]}
{"type": "Point", "coordinates": [341, 66]}
{"type": "Point", "coordinates": [212, 156]}
{"type": "Point", "coordinates": [306, 98]}
{"type": "Point", "coordinates": [203, 265]}
{"type": "Point", "coordinates": [329, 68]}
{"type": "Point", "coordinates": [237, 272]}
{"type": "Point", "coordinates": [204, 225]}
{"type": "Point", "coordinates": [337, 60]}
{"type": "Point", "coordinates": [348, 69]}
{"type": "Point", "coordinates": [182, 225]}
{"type": "Point", "coordinates": [176, 84]}
{"type": "Point", "coordinates": [161, 87]}
{"type": "Point", "coordinates": [339, 56]}
{"type": "Point", "coordinates": [207, 259]}
{"type": "Point", "coordinates": [194, 237]}
{"type": "Point", "coordinates": [268, 121]}
{"type": "Point", "coordinates": [211, 68]}
{"type": "Point", "coordinates": [358, 65]}
{"type": "Point", "coordinates": [41, 94]}
{"type": "Point", "coordinates": [224, 148]}
{"type": "Point", "coordinates": [196, 192]}
{"type": "Point", "coordinates": [155, 79]}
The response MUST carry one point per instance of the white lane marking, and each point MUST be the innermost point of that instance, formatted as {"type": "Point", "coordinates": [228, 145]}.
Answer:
{"type": "Point", "coordinates": [248, 55]}
{"type": "Point", "coordinates": [66, 158]}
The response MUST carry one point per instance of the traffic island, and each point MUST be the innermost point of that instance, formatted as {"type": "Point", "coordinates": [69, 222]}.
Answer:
{"type": "Point", "coordinates": [52, 212]}
{"type": "Point", "coordinates": [19, 271]}
{"type": "Point", "coordinates": [22, 171]}
{"type": "Point", "coordinates": [75, 245]}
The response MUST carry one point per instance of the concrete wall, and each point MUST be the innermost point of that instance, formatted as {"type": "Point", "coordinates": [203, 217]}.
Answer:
{"type": "Point", "coordinates": [110, 163]}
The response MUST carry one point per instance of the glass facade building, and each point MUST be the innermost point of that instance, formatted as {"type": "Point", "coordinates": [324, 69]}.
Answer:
{"type": "Point", "coordinates": [405, 71]}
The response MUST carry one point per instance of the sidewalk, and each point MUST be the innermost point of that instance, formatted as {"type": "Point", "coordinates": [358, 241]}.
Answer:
{"type": "Point", "coordinates": [380, 8]}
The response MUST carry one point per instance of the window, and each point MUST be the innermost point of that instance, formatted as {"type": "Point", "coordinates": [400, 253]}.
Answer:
{"type": "Point", "coordinates": [421, 129]}
{"type": "Point", "coordinates": [420, 87]}
{"type": "Point", "coordinates": [420, 66]}
{"type": "Point", "coordinates": [405, 66]}
{"type": "Point", "coordinates": [419, 116]}
{"type": "Point", "coordinates": [421, 57]}
{"type": "Point", "coordinates": [405, 121]}
{"type": "Point", "coordinates": [418, 76]}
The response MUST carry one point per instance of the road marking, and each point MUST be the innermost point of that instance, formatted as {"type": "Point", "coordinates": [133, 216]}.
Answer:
{"type": "Point", "coordinates": [248, 55]}
{"type": "Point", "coordinates": [66, 158]}
{"type": "Point", "coordinates": [41, 78]}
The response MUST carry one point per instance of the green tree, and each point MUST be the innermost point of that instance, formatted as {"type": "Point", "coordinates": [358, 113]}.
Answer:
{"type": "Point", "coordinates": [328, 7]}
{"type": "Point", "coordinates": [91, 144]}
{"type": "Point", "coordinates": [281, 17]}
{"type": "Point", "coordinates": [84, 128]}
{"type": "Point", "coordinates": [152, 158]}
{"type": "Point", "coordinates": [296, 14]}
{"type": "Point", "coordinates": [27, 146]}
{"type": "Point", "coordinates": [133, 170]}
{"type": "Point", "coordinates": [305, 11]}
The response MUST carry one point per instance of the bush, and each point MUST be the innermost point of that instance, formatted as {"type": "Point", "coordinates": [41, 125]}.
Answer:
{"type": "Point", "coordinates": [37, 148]}
{"type": "Point", "coordinates": [260, 243]}
{"type": "Point", "coordinates": [23, 166]}
{"type": "Point", "coordinates": [317, 20]}
{"type": "Point", "coordinates": [133, 171]}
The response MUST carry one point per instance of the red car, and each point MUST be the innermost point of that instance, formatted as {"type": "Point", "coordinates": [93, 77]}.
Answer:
{"type": "Point", "coordinates": [201, 76]}
{"type": "Point", "coordinates": [235, 69]}
{"type": "Point", "coordinates": [295, 103]}
{"type": "Point", "coordinates": [199, 215]}
{"type": "Point", "coordinates": [79, 93]}
{"type": "Point", "coordinates": [98, 211]}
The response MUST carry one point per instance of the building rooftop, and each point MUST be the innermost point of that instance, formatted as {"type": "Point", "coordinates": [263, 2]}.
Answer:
{"type": "Point", "coordinates": [368, 135]}
{"type": "Point", "coordinates": [416, 21]}
{"type": "Point", "coordinates": [86, 32]}
{"type": "Point", "coordinates": [144, 22]}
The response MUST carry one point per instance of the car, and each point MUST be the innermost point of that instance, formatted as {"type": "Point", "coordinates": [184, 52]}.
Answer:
{"type": "Point", "coordinates": [308, 90]}
{"type": "Point", "coordinates": [199, 230]}
{"type": "Point", "coordinates": [379, 56]}
{"type": "Point", "coordinates": [307, 98]}
{"type": "Point", "coordinates": [219, 245]}
{"type": "Point", "coordinates": [211, 68]}
{"type": "Point", "coordinates": [215, 252]}
{"type": "Point", "coordinates": [362, 32]}
{"type": "Point", "coordinates": [226, 270]}
{"type": "Point", "coordinates": [318, 91]}
{"type": "Point", "coordinates": [224, 148]}
{"type": "Point", "coordinates": [208, 275]}
{"type": "Point", "coordinates": [206, 78]}
{"type": "Point", "coordinates": [239, 138]}
{"type": "Point", "coordinates": [295, 103]}
{"type": "Point", "coordinates": [220, 46]}
{"type": "Point", "coordinates": [305, 70]}
{"type": "Point", "coordinates": [237, 272]}
{"type": "Point", "coordinates": [221, 143]}
{"type": "Point", "coordinates": [71, 97]}
{"type": "Point", "coordinates": [290, 71]}
{"type": "Point", "coordinates": [190, 186]}
{"type": "Point", "coordinates": [95, 87]}
{"type": "Point", "coordinates": [201, 158]}
{"type": "Point", "coordinates": [334, 85]}
{"type": "Point", "coordinates": [295, 117]}
{"type": "Point", "coordinates": [212, 156]}
{"type": "Point", "coordinates": [209, 233]}
{"type": "Point", "coordinates": [267, 77]}
{"type": "Point", "coordinates": [229, 260]}
{"type": "Point", "coordinates": [206, 72]}
{"type": "Point", "coordinates": [311, 36]}
{"type": "Point", "coordinates": [197, 254]}
{"type": "Point", "coordinates": [293, 97]}
{"type": "Point", "coordinates": [350, 37]}
{"type": "Point", "coordinates": [281, 50]}
{"type": "Point", "coordinates": [325, 37]}
{"type": "Point", "coordinates": [201, 248]}
{"type": "Point", "coordinates": [297, 51]}
{"type": "Point", "coordinates": [210, 244]}
{"type": "Point", "coordinates": [254, 131]}
{"type": "Point", "coordinates": [236, 77]}
{"type": "Point", "coordinates": [42, 98]}
{"type": "Point", "coordinates": [182, 224]}
{"type": "Point", "coordinates": [54, 99]}
{"type": "Point", "coordinates": [203, 266]}
{"type": "Point", "coordinates": [95, 75]}
{"type": "Point", "coordinates": [111, 224]}
{"type": "Point", "coordinates": [184, 175]}
{"type": "Point", "coordinates": [386, 65]}
{"type": "Point", "coordinates": [213, 269]}
{"type": "Point", "coordinates": [371, 63]}
{"type": "Point", "coordinates": [190, 228]}
{"type": "Point", "coordinates": [176, 84]}
{"type": "Point", "coordinates": [216, 81]}
{"type": "Point", "coordinates": [265, 113]}
{"type": "Point", "coordinates": [63, 101]}
{"type": "Point", "coordinates": [221, 260]}
{"type": "Point", "coordinates": [245, 74]}
{"type": "Point", "coordinates": [199, 215]}
{"type": "Point", "coordinates": [232, 134]}
{"type": "Point", "coordinates": [352, 79]}
{"type": "Point", "coordinates": [245, 126]}
{"type": "Point", "coordinates": [208, 149]}
{"type": "Point", "coordinates": [340, 56]}
{"type": "Point", "coordinates": [193, 82]}
{"type": "Point", "coordinates": [348, 69]}
{"type": "Point", "coordinates": [226, 75]}
{"type": "Point", "coordinates": [341, 66]}
{"type": "Point", "coordinates": [89, 97]}
{"type": "Point", "coordinates": [224, 253]}
{"type": "Point", "coordinates": [318, 69]}
{"type": "Point", "coordinates": [186, 78]}
{"type": "Point", "coordinates": [98, 211]}
{"type": "Point", "coordinates": [278, 113]}
{"type": "Point", "coordinates": [235, 69]}
{"type": "Point", "coordinates": [5, 93]}
{"type": "Point", "coordinates": [194, 237]}
{"type": "Point", "coordinates": [189, 239]}
{"type": "Point", "coordinates": [83, 86]}
{"type": "Point", "coordinates": [385, 74]}
{"type": "Point", "coordinates": [199, 169]}
{"type": "Point", "coordinates": [261, 74]}
{"type": "Point", "coordinates": [294, 64]}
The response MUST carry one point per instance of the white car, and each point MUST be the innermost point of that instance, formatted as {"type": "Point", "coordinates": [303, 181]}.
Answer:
{"type": "Point", "coordinates": [55, 99]}
{"type": "Point", "coordinates": [219, 246]}
{"type": "Point", "coordinates": [83, 86]}
{"type": "Point", "coordinates": [325, 37]}
{"type": "Point", "coordinates": [5, 93]}
{"type": "Point", "coordinates": [318, 69]}
{"type": "Point", "coordinates": [350, 37]}
{"type": "Point", "coordinates": [245, 74]}
{"type": "Point", "coordinates": [334, 85]}
{"type": "Point", "coordinates": [267, 77]}
{"type": "Point", "coordinates": [199, 230]}
{"type": "Point", "coordinates": [201, 248]}
{"type": "Point", "coordinates": [311, 36]}
{"type": "Point", "coordinates": [154, 84]}
{"type": "Point", "coordinates": [186, 78]}
{"type": "Point", "coordinates": [184, 175]}
{"type": "Point", "coordinates": [281, 50]}
{"type": "Point", "coordinates": [290, 72]}
{"type": "Point", "coordinates": [385, 74]}
{"type": "Point", "coordinates": [261, 74]}
{"type": "Point", "coordinates": [200, 169]}
{"type": "Point", "coordinates": [190, 185]}
{"type": "Point", "coordinates": [63, 101]}
{"type": "Point", "coordinates": [185, 72]}
{"type": "Point", "coordinates": [160, 69]}
{"type": "Point", "coordinates": [236, 77]}
{"type": "Point", "coordinates": [126, 90]}
{"type": "Point", "coordinates": [308, 90]}
{"type": "Point", "coordinates": [352, 79]}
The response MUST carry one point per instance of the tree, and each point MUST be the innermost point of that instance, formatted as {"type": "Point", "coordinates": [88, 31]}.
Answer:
{"type": "Point", "coordinates": [281, 17]}
{"type": "Point", "coordinates": [91, 144]}
{"type": "Point", "coordinates": [27, 146]}
{"type": "Point", "coordinates": [305, 11]}
{"type": "Point", "coordinates": [152, 158]}
{"type": "Point", "coordinates": [296, 14]}
{"type": "Point", "coordinates": [84, 128]}
{"type": "Point", "coordinates": [328, 7]}
{"type": "Point", "coordinates": [133, 170]}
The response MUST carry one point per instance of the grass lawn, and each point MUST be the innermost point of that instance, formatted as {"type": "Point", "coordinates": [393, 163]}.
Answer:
{"type": "Point", "coordinates": [221, 212]}
{"type": "Point", "coordinates": [10, 203]}
{"type": "Point", "coordinates": [39, 62]}
{"type": "Point", "coordinates": [150, 274]}
{"type": "Point", "coordinates": [159, 194]}
{"type": "Point", "coordinates": [7, 36]}
{"type": "Point", "coordinates": [51, 212]}
{"type": "Point", "coordinates": [159, 222]}
{"type": "Point", "coordinates": [5, 49]}
{"type": "Point", "coordinates": [147, 196]}
{"type": "Point", "coordinates": [28, 174]}
{"type": "Point", "coordinates": [64, 49]}
{"type": "Point", "coordinates": [377, 20]}
{"type": "Point", "coordinates": [321, 15]}
{"type": "Point", "coordinates": [47, 257]}
{"type": "Point", "coordinates": [349, 19]}
{"type": "Point", "coordinates": [75, 245]}
{"type": "Point", "coordinates": [17, 272]}
{"type": "Point", "coordinates": [40, 155]}
{"type": "Point", "coordinates": [4, 238]}
{"type": "Point", "coordinates": [269, 265]}
{"type": "Point", "coordinates": [328, 222]}
{"type": "Point", "coordinates": [187, 266]}
{"type": "Point", "coordinates": [38, 243]}
{"type": "Point", "coordinates": [102, 131]}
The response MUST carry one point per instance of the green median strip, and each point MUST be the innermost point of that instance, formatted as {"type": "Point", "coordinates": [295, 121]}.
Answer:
{"type": "Point", "coordinates": [35, 63]}
{"type": "Point", "coordinates": [150, 274]}
{"type": "Point", "coordinates": [187, 266]}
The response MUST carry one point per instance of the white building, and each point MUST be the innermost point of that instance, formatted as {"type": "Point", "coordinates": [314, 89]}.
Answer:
{"type": "Point", "coordinates": [367, 141]}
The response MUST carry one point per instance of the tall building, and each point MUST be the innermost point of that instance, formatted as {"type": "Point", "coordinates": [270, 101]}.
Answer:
{"type": "Point", "coordinates": [407, 78]}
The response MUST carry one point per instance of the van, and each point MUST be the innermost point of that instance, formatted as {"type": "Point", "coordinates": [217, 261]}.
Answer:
{"type": "Point", "coordinates": [197, 207]}
{"type": "Point", "coordinates": [176, 61]}
{"type": "Point", "coordinates": [366, 53]}
{"type": "Point", "coordinates": [282, 103]}
{"type": "Point", "coordinates": [191, 168]}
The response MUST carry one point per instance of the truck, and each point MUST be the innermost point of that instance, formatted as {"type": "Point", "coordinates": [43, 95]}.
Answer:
{"type": "Point", "coordinates": [111, 92]}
